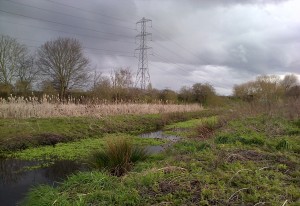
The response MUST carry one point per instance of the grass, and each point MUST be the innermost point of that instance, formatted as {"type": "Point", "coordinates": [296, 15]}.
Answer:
{"type": "Point", "coordinates": [240, 164]}
{"type": "Point", "coordinates": [19, 134]}
{"type": "Point", "coordinates": [81, 149]}
{"type": "Point", "coordinates": [118, 156]}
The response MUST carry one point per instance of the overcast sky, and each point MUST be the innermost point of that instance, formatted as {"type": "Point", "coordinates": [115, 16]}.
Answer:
{"type": "Point", "coordinates": [222, 42]}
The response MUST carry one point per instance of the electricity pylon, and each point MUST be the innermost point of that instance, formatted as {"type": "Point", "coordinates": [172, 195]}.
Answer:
{"type": "Point", "coordinates": [143, 75]}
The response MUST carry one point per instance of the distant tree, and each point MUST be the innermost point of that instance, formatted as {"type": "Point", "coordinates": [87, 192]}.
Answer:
{"type": "Point", "coordinates": [269, 88]}
{"type": "Point", "coordinates": [266, 88]}
{"type": "Point", "coordinates": [168, 96]}
{"type": "Point", "coordinates": [63, 63]}
{"type": "Point", "coordinates": [246, 91]}
{"type": "Point", "coordinates": [102, 88]}
{"type": "Point", "coordinates": [47, 87]}
{"type": "Point", "coordinates": [26, 74]}
{"type": "Point", "coordinates": [289, 81]}
{"type": "Point", "coordinates": [291, 86]}
{"type": "Point", "coordinates": [11, 53]}
{"type": "Point", "coordinates": [121, 80]}
{"type": "Point", "coordinates": [293, 92]}
{"type": "Point", "coordinates": [186, 94]}
{"type": "Point", "coordinates": [202, 93]}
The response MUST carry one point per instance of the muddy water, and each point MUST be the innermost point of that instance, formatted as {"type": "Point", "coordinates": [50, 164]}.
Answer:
{"type": "Point", "coordinates": [16, 181]}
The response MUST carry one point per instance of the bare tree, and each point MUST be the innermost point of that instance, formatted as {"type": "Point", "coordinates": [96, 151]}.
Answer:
{"type": "Point", "coordinates": [121, 78]}
{"type": "Point", "coordinates": [121, 82]}
{"type": "Point", "coordinates": [62, 61]}
{"type": "Point", "coordinates": [11, 52]}
{"type": "Point", "coordinates": [26, 74]}
{"type": "Point", "coordinates": [289, 81]}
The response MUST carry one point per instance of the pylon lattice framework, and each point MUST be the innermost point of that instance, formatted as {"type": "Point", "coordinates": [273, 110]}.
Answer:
{"type": "Point", "coordinates": [143, 75]}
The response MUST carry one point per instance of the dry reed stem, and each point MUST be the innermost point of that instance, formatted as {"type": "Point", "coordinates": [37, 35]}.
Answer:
{"type": "Point", "coordinates": [233, 195]}
{"type": "Point", "coordinates": [20, 108]}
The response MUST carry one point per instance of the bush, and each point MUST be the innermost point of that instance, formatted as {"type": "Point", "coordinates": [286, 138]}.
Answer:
{"type": "Point", "coordinates": [118, 157]}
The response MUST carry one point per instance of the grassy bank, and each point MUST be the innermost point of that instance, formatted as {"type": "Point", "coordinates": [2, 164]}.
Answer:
{"type": "Point", "coordinates": [19, 134]}
{"type": "Point", "coordinates": [243, 160]}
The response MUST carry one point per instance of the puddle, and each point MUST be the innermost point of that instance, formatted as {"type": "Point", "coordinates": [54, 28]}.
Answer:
{"type": "Point", "coordinates": [159, 135]}
{"type": "Point", "coordinates": [15, 181]}
{"type": "Point", "coordinates": [155, 149]}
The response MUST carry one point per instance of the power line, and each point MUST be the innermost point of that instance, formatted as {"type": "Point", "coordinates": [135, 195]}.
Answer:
{"type": "Point", "coordinates": [156, 67]}
{"type": "Point", "coordinates": [89, 11]}
{"type": "Point", "coordinates": [54, 22]}
{"type": "Point", "coordinates": [106, 54]}
{"type": "Point", "coordinates": [167, 61]}
{"type": "Point", "coordinates": [89, 48]}
{"type": "Point", "coordinates": [167, 49]}
{"type": "Point", "coordinates": [57, 30]}
{"type": "Point", "coordinates": [51, 11]}
{"type": "Point", "coordinates": [161, 34]}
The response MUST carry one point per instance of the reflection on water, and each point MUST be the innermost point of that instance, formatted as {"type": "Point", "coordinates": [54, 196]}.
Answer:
{"type": "Point", "coordinates": [15, 181]}
{"type": "Point", "coordinates": [155, 149]}
{"type": "Point", "coordinates": [159, 135]}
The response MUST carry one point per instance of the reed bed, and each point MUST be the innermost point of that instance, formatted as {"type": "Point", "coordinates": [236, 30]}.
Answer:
{"type": "Point", "coordinates": [18, 107]}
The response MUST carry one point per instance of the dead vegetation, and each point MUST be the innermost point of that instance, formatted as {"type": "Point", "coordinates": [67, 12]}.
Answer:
{"type": "Point", "coordinates": [18, 107]}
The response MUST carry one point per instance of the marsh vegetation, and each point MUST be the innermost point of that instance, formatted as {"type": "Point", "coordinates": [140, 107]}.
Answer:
{"type": "Point", "coordinates": [242, 149]}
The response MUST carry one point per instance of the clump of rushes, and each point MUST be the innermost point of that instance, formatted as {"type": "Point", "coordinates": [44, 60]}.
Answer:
{"type": "Point", "coordinates": [283, 145]}
{"type": "Point", "coordinates": [118, 156]}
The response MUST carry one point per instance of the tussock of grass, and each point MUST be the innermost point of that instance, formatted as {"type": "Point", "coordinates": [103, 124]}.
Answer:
{"type": "Point", "coordinates": [118, 156]}
{"type": "Point", "coordinates": [283, 145]}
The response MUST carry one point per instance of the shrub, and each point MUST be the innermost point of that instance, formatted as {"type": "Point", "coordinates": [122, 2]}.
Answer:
{"type": "Point", "coordinates": [118, 157]}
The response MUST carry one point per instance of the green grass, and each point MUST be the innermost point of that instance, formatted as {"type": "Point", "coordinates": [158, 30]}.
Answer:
{"type": "Point", "coordinates": [118, 156]}
{"type": "Point", "coordinates": [241, 164]}
{"type": "Point", "coordinates": [190, 124]}
{"type": "Point", "coordinates": [78, 150]}
{"type": "Point", "coordinates": [19, 134]}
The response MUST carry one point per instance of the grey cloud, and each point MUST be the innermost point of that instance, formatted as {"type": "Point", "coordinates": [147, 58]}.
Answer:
{"type": "Point", "coordinates": [225, 42]}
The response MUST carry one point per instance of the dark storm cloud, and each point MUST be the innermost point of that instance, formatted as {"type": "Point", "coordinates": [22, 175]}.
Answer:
{"type": "Point", "coordinates": [223, 42]}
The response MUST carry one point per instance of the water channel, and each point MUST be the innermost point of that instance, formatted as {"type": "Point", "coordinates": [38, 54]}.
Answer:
{"type": "Point", "coordinates": [16, 177]}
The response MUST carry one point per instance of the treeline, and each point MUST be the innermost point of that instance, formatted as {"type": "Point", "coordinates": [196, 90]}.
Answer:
{"type": "Point", "coordinates": [60, 69]}
{"type": "Point", "coordinates": [119, 87]}
{"type": "Point", "coordinates": [269, 89]}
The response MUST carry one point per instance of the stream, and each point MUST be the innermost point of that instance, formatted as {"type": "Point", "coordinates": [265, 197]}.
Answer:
{"type": "Point", "coordinates": [16, 180]}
